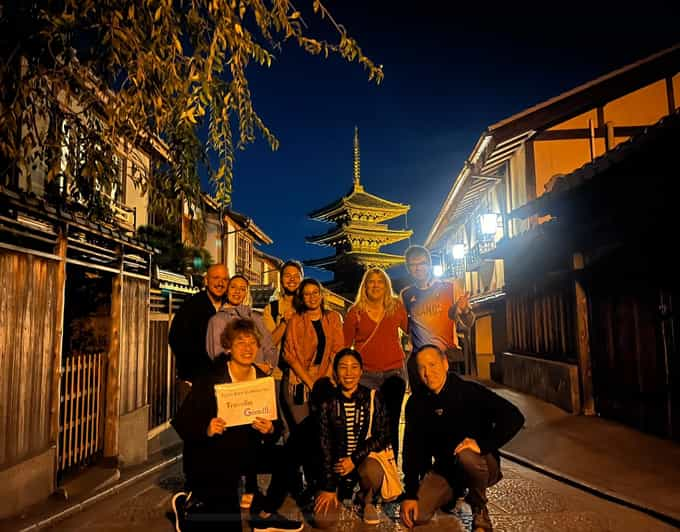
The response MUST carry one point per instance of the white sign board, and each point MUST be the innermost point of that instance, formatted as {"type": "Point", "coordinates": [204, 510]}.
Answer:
{"type": "Point", "coordinates": [239, 403]}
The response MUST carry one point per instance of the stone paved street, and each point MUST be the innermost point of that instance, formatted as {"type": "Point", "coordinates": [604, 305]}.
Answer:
{"type": "Point", "coordinates": [524, 501]}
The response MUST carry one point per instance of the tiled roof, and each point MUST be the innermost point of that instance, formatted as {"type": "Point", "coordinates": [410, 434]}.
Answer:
{"type": "Point", "coordinates": [360, 257]}
{"type": "Point", "coordinates": [359, 199]}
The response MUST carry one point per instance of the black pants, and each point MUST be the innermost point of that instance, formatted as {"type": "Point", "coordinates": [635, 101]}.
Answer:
{"type": "Point", "coordinates": [393, 394]}
{"type": "Point", "coordinates": [303, 449]}
{"type": "Point", "coordinates": [220, 505]}
{"type": "Point", "coordinates": [219, 494]}
{"type": "Point", "coordinates": [277, 462]}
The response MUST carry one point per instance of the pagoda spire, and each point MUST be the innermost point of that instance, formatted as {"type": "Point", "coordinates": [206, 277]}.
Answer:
{"type": "Point", "coordinates": [357, 159]}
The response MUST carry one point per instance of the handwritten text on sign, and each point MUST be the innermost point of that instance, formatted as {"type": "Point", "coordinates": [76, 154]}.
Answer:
{"type": "Point", "coordinates": [239, 403]}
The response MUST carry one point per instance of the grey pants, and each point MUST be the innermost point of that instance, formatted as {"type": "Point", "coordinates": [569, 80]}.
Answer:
{"type": "Point", "coordinates": [370, 479]}
{"type": "Point", "coordinates": [479, 472]}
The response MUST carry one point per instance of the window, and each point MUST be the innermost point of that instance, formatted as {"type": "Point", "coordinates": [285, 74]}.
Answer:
{"type": "Point", "coordinates": [244, 256]}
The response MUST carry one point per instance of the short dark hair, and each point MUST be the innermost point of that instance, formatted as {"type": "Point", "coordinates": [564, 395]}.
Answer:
{"type": "Point", "coordinates": [237, 327]}
{"type": "Point", "coordinates": [295, 264]}
{"type": "Point", "coordinates": [430, 346]}
{"type": "Point", "coordinates": [417, 251]}
{"type": "Point", "coordinates": [347, 351]}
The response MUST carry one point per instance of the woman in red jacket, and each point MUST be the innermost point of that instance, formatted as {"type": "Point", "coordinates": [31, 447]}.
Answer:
{"type": "Point", "coordinates": [372, 326]}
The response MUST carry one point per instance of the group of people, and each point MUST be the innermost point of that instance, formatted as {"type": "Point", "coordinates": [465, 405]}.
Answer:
{"type": "Point", "coordinates": [340, 388]}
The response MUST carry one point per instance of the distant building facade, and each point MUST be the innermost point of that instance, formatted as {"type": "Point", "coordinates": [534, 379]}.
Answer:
{"type": "Point", "coordinates": [536, 224]}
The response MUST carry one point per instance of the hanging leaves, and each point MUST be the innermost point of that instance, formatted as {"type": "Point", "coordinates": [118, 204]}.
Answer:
{"type": "Point", "coordinates": [151, 68]}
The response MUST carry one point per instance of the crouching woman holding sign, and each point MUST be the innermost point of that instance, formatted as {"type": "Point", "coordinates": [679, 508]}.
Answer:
{"type": "Point", "coordinates": [355, 438]}
{"type": "Point", "coordinates": [217, 452]}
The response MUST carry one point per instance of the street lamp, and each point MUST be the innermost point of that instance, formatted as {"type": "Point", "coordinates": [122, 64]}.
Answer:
{"type": "Point", "coordinates": [488, 223]}
{"type": "Point", "coordinates": [458, 251]}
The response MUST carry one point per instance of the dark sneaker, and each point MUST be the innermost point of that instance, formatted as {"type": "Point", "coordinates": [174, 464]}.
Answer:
{"type": "Point", "coordinates": [481, 522]}
{"type": "Point", "coordinates": [179, 503]}
{"type": "Point", "coordinates": [370, 515]}
{"type": "Point", "coordinates": [275, 523]}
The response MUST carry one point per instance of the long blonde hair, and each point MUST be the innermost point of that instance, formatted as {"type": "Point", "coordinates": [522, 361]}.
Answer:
{"type": "Point", "coordinates": [389, 300]}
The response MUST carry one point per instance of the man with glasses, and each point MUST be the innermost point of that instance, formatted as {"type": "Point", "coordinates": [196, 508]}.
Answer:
{"type": "Point", "coordinates": [434, 311]}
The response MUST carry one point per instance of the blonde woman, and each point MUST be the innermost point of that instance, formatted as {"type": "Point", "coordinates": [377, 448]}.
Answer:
{"type": "Point", "coordinates": [372, 326]}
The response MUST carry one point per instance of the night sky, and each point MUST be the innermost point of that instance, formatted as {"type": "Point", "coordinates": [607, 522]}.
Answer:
{"type": "Point", "coordinates": [449, 73]}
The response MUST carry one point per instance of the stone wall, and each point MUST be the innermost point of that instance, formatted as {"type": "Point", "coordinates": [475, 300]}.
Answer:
{"type": "Point", "coordinates": [554, 382]}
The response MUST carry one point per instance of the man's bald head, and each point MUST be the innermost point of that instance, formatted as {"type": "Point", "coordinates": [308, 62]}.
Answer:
{"type": "Point", "coordinates": [216, 281]}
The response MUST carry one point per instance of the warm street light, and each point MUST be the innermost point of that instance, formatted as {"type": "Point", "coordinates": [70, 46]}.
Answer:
{"type": "Point", "coordinates": [458, 251]}
{"type": "Point", "coordinates": [489, 223]}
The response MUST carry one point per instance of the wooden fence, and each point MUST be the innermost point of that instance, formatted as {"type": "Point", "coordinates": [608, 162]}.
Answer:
{"type": "Point", "coordinates": [542, 322]}
{"type": "Point", "coordinates": [161, 377]}
{"type": "Point", "coordinates": [30, 324]}
{"type": "Point", "coordinates": [133, 344]}
{"type": "Point", "coordinates": [81, 420]}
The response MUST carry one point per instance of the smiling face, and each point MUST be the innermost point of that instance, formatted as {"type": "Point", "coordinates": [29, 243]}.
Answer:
{"type": "Point", "coordinates": [237, 291]}
{"type": "Point", "coordinates": [291, 278]}
{"type": "Point", "coordinates": [375, 287]}
{"type": "Point", "coordinates": [244, 349]}
{"type": "Point", "coordinates": [216, 281]}
{"type": "Point", "coordinates": [432, 368]}
{"type": "Point", "coordinates": [348, 373]}
{"type": "Point", "coordinates": [311, 296]}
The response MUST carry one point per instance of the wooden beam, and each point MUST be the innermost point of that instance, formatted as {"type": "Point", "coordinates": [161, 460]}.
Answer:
{"type": "Point", "coordinates": [57, 346]}
{"type": "Point", "coordinates": [583, 341]}
{"type": "Point", "coordinates": [112, 423]}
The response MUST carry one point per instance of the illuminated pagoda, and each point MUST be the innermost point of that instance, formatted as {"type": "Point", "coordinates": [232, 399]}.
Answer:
{"type": "Point", "coordinates": [358, 235]}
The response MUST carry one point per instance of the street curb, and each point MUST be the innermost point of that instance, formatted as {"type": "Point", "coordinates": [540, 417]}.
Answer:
{"type": "Point", "coordinates": [598, 491]}
{"type": "Point", "coordinates": [72, 510]}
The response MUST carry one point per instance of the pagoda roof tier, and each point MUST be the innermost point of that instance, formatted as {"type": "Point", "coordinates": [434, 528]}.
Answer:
{"type": "Point", "coordinates": [365, 258]}
{"type": "Point", "coordinates": [359, 204]}
{"type": "Point", "coordinates": [360, 234]}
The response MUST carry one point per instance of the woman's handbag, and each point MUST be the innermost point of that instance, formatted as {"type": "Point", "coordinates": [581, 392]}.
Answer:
{"type": "Point", "coordinates": [391, 484]}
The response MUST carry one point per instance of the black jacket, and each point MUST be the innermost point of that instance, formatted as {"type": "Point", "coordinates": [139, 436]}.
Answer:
{"type": "Point", "coordinates": [233, 452]}
{"type": "Point", "coordinates": [437, 423]}
{"type": "Point", "coordinates": [333, 432]}
{"type": "Point", "coordinates": [187, 336]}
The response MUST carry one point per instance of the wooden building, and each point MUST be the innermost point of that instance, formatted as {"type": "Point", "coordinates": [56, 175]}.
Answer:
{"type": "Point", "coordinates": [74, 323]}
{"type": "Point", "coordinates": [541, 325]}
{"type": "Point", "coordinates": [358, 235]}
{"type": "Point", "coordinates": [231, 238]}
{"type": "Point", "coordinates": [74, 317]}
